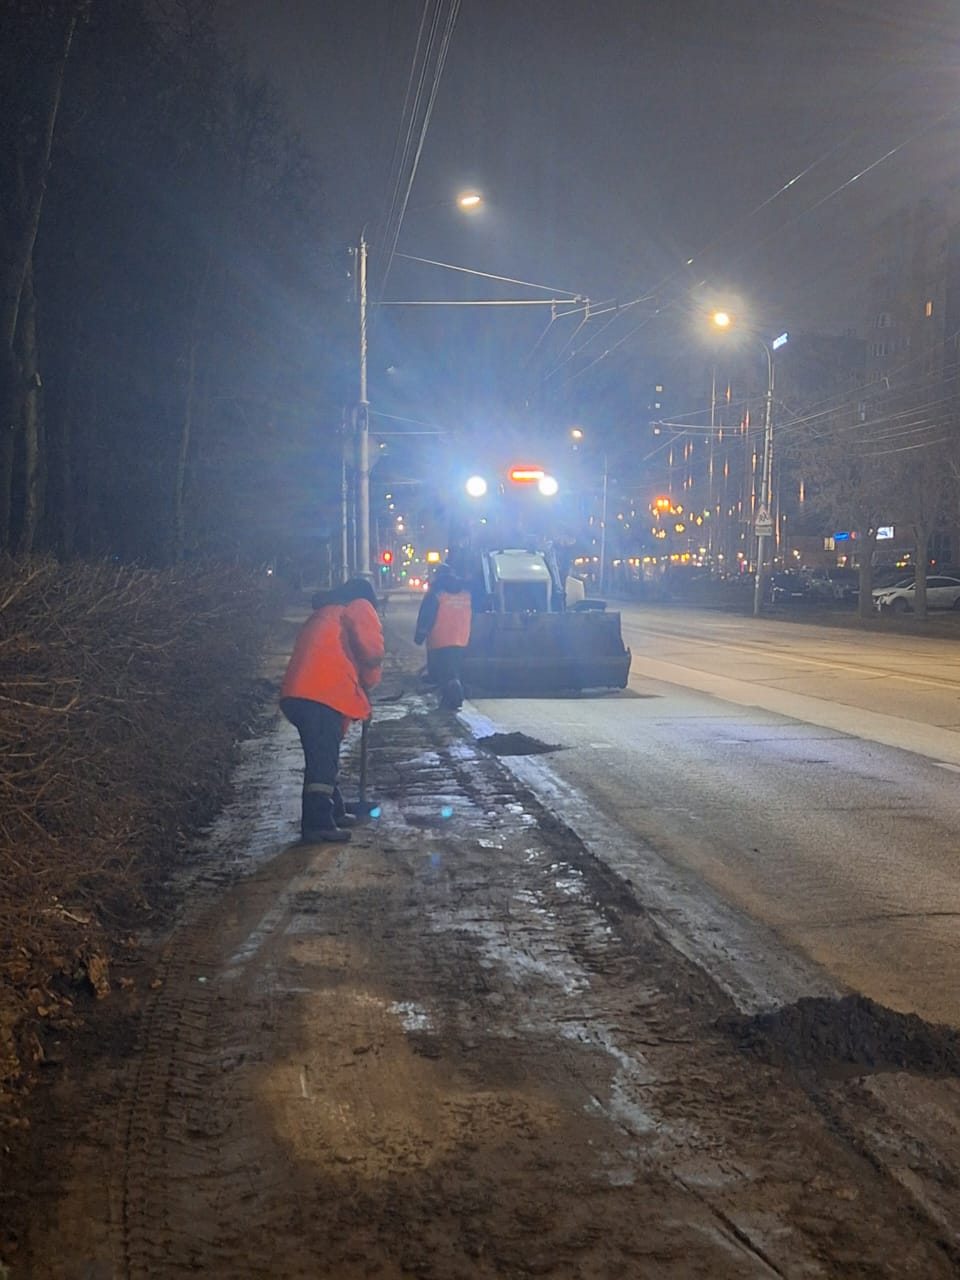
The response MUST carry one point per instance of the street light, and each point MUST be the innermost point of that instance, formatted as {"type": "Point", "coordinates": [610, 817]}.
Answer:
{"type": "Point", "coordinates": [763, 522]}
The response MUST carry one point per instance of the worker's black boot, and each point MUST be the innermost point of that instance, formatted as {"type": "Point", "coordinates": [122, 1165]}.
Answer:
{"type": "Point", "coordinates": [318, 825]}
{"type": "Point", "coordinates": [341, 815]}
{"type": "Point", "coordinates": [452, 695]}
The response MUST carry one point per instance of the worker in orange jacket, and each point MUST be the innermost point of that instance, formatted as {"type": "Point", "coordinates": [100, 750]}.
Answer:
{"type": "Point", "coordinates": [336, 659]}
{"type": "Point", "coordinates": [444, 623]}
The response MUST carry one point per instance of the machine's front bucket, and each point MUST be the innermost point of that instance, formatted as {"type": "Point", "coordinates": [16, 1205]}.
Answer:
{"type": "Point", "coordinates": [525, 653]}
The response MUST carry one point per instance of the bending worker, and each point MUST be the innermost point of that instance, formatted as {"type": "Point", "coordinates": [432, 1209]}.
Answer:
{"type": "Point", "coordinates": [336, 659]}
{"type": "Point", "coordinates": [444, 623]}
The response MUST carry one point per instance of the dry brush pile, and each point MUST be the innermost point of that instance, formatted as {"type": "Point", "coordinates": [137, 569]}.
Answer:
{"type": "Point", "coordinates": [123, 693]}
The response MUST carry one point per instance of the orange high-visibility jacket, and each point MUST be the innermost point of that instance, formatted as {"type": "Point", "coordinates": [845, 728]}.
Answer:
{"type": "Point", "coordinates": [337, 657]}
{"type": "Point", "coordinates": [452, 625]}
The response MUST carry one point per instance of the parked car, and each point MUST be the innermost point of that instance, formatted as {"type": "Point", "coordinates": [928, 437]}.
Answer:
{"type": "Point", "coordinates": [835, 584]}
{"type": "Point", "coordinates": [942, 593]}
{"type": "Point", "coordinates": [786, 588]}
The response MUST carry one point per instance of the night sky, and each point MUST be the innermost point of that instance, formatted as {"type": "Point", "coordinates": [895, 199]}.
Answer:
{"type": "Point", "coordinates": [616, 139]}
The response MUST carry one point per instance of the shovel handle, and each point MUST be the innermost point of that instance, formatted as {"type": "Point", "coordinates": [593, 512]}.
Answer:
{"type": "Point", "coordinates": [364, 735]}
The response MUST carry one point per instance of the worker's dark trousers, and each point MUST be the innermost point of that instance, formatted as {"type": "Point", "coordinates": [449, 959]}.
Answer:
{"type": "Point", "coordinates": [446, 664]}
{"type": "Point", "coordinates": [445, 669]}
{"type": "Point", "coordinates": [320, 729]}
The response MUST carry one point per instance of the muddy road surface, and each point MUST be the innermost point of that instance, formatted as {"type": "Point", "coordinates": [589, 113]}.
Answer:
{"type": "Point", "coordinates": [459, 1046]}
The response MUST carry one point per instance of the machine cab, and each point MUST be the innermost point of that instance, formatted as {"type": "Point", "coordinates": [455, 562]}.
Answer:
{"type": "Point", "coordinates": [518, 581]}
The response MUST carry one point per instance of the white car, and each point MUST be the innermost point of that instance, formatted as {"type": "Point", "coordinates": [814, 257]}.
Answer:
{"type": "Point", "coordinates": [942, 593]}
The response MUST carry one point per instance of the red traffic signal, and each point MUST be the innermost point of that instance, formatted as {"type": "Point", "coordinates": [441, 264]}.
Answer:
{"type": "Point", "coordinates": [386, 557]}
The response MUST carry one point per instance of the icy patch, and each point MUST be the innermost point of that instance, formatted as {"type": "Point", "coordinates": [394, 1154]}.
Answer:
{"type": "Point", "coordinates": [413, 1017]}
{"type": "Point", "coordinates": [518, 962]}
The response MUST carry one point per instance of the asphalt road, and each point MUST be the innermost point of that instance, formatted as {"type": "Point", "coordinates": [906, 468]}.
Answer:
{"type": "Point", "coordinates": [802, 775]}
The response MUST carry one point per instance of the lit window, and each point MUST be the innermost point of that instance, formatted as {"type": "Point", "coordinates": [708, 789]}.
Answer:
{"type": "Point", "coordinates": [928, 309]}
{"type": "Point", "coordinates": [659, 387]}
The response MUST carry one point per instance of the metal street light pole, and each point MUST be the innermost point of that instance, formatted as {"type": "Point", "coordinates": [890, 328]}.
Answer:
{"type": "Point", "coordinates": [713, 427]}
{"type": "Point", "coordinates": [764, 512]}
{"type": "Point", "coordinates": [763, 526]}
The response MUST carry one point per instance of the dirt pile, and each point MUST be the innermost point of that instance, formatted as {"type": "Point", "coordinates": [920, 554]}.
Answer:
{"type": "Point", "coordinates": [516, 744]}
{"type": "Point", "coordinates": [853, 1035]}
{"type": "Point", "coordinates": [122, 694]}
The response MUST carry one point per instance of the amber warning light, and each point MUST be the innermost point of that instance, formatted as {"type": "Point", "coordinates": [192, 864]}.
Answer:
{"type": "Point", "coordinates": [526, 475]}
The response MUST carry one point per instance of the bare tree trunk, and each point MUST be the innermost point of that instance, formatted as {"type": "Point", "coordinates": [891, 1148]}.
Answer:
{"type": "Point", "coordinates": [867, 545]}
{"type": "Point", "coordinates": [921, 542]}
{"type": "Point", "coordinates": [23, 220]}
{"type": "Point", "coordinates": [20, 210]}
{"type": "Point", "coordinates": [8, 440]}
{"type": "Point", "coordinates": [67, 532]}
{"type": "Point", "coordinates": [30, 417]}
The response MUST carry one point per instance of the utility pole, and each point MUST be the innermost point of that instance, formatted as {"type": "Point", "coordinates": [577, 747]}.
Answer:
{"type": "Point", "coordinates": [603, 526]}
{"type": "Point", "coordinates": [713, 423]}
{"type": "Point", "coordinates": [344, 497]}
{"type": "Point", "coordinates": [363, 421]}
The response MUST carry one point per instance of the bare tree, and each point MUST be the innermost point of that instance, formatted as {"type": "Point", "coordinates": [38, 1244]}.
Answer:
{"type": "Point", "coordinates": [35, 40]}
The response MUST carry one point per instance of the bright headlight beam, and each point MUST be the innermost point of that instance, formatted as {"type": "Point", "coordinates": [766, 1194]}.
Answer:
{"type": "Point", "coordinates": [548, 486]}
{"type": "Point", "coordinates": [476, 486]}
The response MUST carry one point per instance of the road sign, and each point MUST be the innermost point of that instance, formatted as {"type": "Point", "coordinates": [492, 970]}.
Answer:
{"type": "Point", "coordinates": [762, 524]}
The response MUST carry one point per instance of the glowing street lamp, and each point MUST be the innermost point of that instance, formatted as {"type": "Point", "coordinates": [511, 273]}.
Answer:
{"type": "Point", "coordinates": [470, 200]}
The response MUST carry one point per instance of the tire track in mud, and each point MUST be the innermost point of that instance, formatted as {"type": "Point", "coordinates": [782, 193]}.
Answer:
{"type": "Point", "coordinates": [458, 1047]}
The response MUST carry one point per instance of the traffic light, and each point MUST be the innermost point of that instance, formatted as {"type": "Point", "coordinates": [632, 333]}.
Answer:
{"type": "Point", "coordinates": [386, 557]}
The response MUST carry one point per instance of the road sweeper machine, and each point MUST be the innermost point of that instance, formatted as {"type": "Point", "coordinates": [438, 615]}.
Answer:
{"type": "Point", "coordinates": [526, 636]}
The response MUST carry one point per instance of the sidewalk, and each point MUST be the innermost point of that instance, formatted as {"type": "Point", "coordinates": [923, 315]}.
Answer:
{"type": "Point", "coordinates": [452, 1048]}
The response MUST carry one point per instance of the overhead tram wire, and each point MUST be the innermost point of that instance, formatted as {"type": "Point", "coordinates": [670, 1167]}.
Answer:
{"type": "Point", "coordinates": [489, 275]}
{"type": "Point", "coordinates": [674, 275]}
{"type": "Point", "coordinates": [407, 113]}
{"type": "Point", "coordinates": [846, 401]}
{"type": "Point", "coordinates": [862, 173]}
{"type": "Point", "coordinates": [414, 118]}
{"type": "Point", "coordinates": [592, 313]}
{"type": "Point", "coordinates": [393, 231]}
{"type": "Point", "coordinates": [738, 225]}
{"type": "Point", "coordinates": [595, 312]}
{"type": "Point", "coordinates": [668, 280]}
